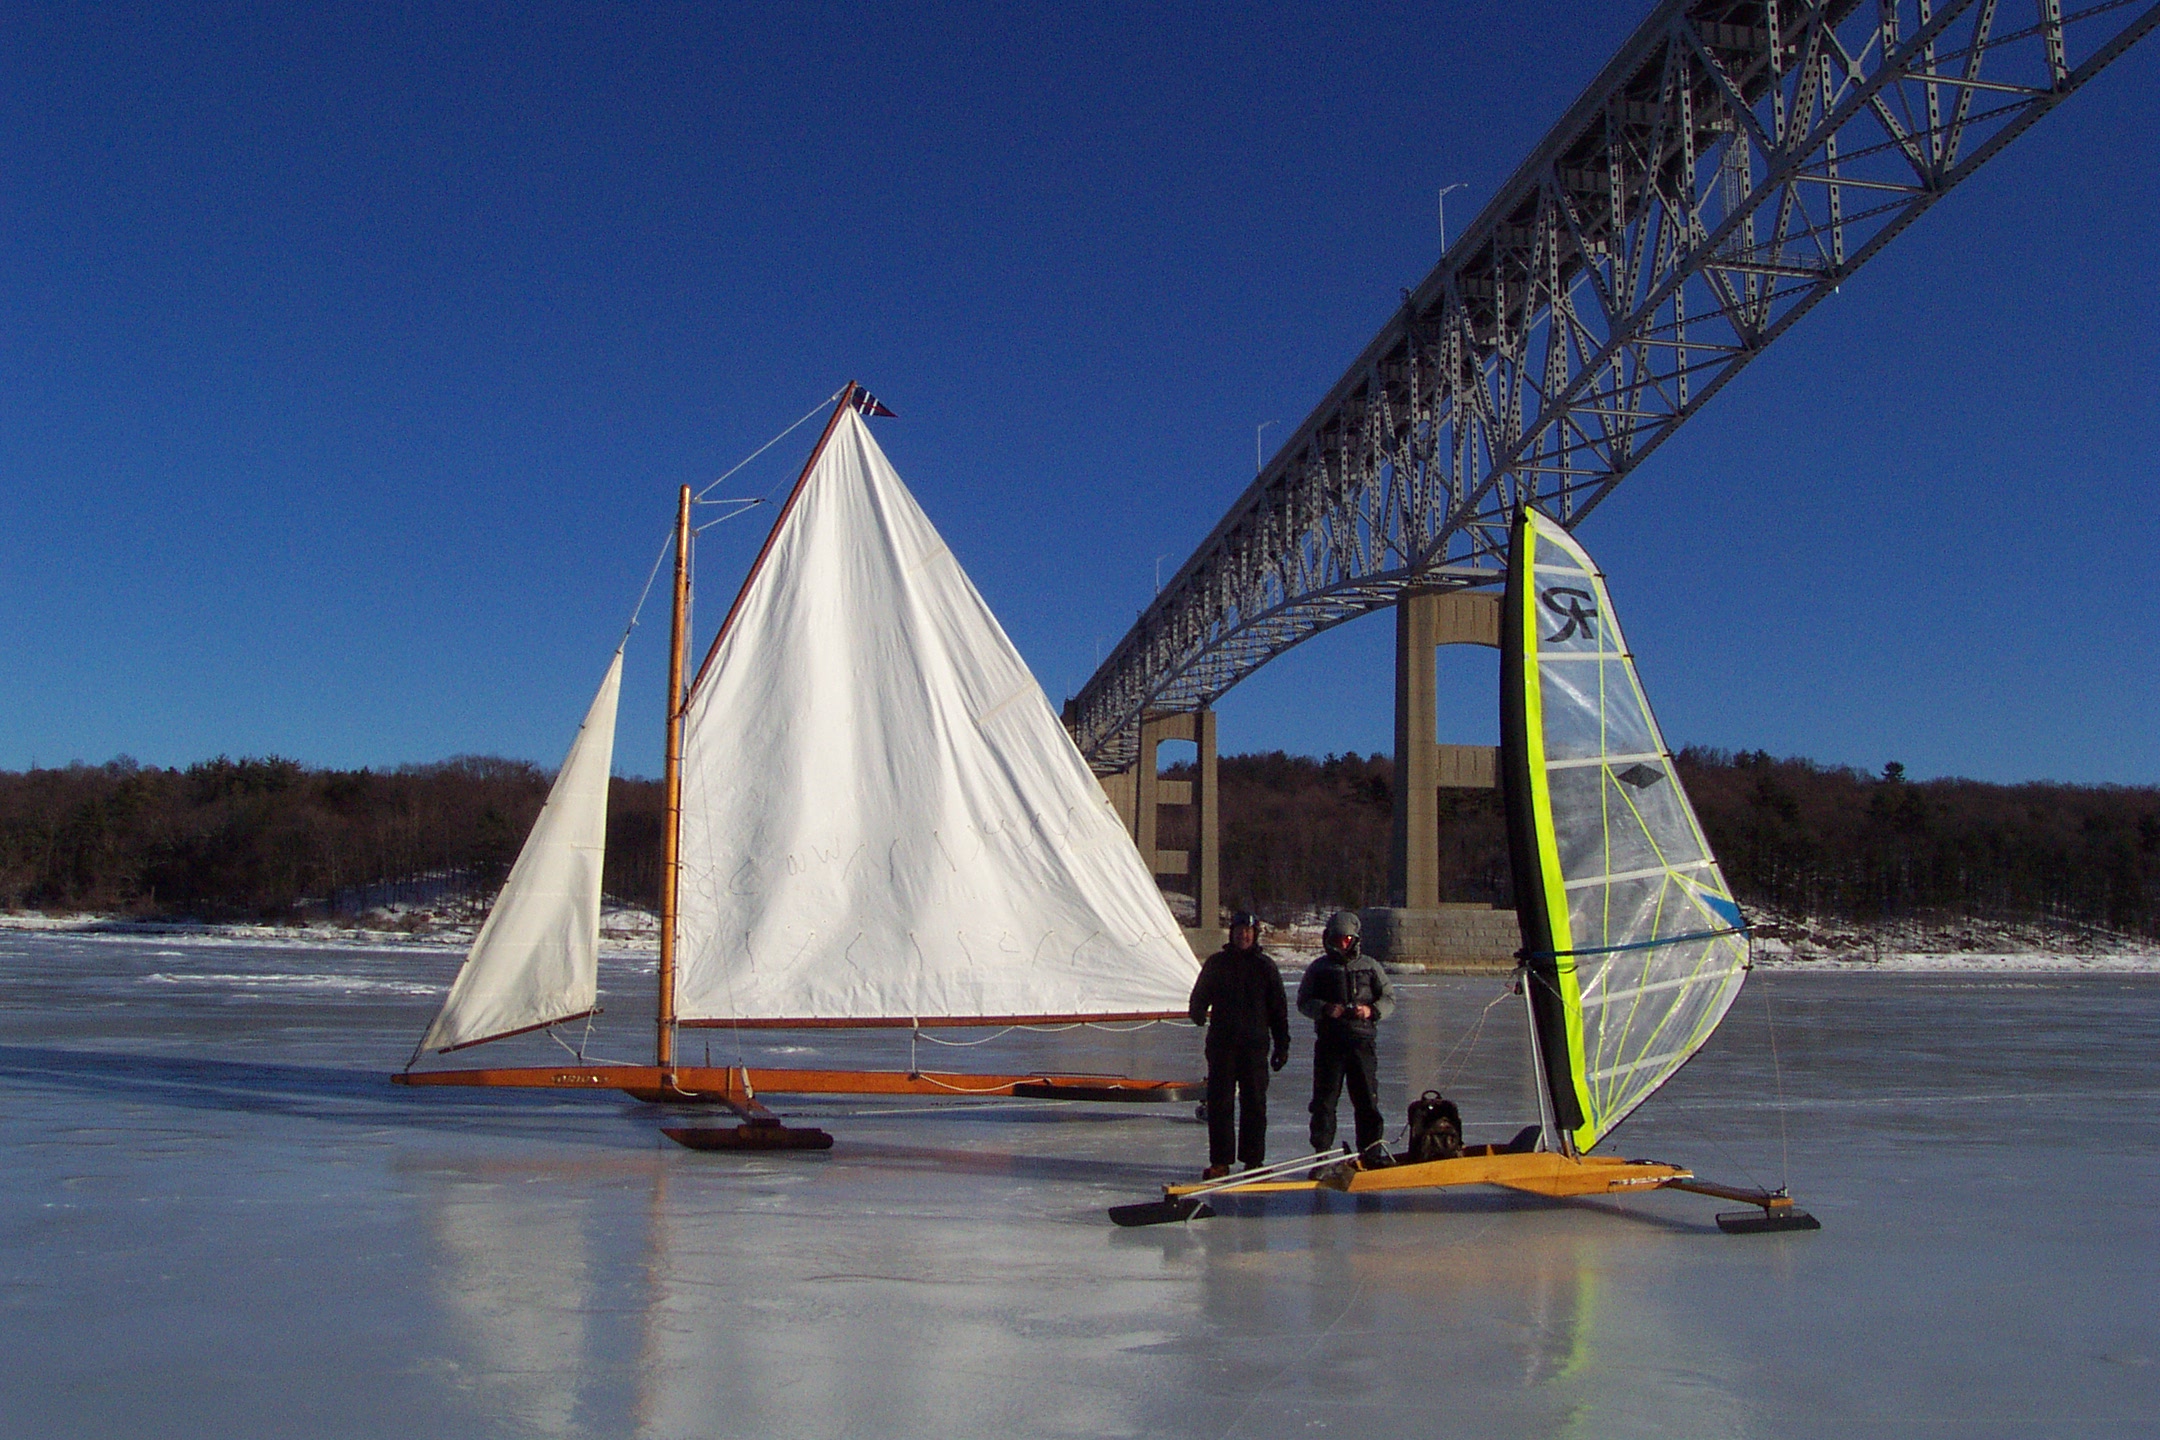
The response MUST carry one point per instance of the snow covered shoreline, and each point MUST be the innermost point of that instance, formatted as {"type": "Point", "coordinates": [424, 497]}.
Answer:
{"type": "Point", "coordinates": [633, 933]}
{"type": "Point", "coordinates": [622, 932]}
{"type": "Point", "coordinates": [2031, 962]}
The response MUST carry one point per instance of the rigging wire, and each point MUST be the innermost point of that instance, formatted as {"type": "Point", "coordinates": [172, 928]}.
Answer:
{"type": "Point", "coordinates": [1471, 1036]}
{"type": "Point", "coordinates": [583, 1059]}
{"type": "Point", "coordinates": [741, 505]}
{"type": "Point", "coordinates": [812, 411]}
{"type": "Point", "coordinates": [645, 594]}
{"type": "Point", "coordinates": [1777, 1068]}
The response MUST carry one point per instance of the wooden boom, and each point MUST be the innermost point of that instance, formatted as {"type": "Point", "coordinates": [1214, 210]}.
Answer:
{"type": "Point", "coordinates": [737, 1085]}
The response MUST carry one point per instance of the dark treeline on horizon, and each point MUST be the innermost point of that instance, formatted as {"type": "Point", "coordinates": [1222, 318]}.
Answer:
{"type": "Point", "coordinates": [269, 838]}
{"type": "Point", "coordinates": [1809, 840]}
{"type": "Point", "coordinates": [272, 839]}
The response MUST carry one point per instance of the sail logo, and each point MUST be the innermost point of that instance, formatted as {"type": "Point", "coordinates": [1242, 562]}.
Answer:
{"type": "Point", "coordinates": [1577, 607]}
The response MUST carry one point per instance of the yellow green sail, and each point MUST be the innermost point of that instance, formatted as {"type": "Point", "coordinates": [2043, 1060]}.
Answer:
{"type": "Point", "coordinates": [1632, 943]}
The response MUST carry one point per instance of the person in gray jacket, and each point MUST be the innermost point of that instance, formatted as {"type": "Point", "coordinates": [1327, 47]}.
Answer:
{"type": "Point", "coordinates": [1346, 995]}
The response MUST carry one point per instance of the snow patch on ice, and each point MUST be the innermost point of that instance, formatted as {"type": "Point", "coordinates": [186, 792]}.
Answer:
{"type": "Point", "coordinates": [336, 984]}
{"type": "Point", "coordinates": [624, 931]}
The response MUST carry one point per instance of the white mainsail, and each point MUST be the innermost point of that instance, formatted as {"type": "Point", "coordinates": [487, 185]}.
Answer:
{"type": "Point", "coordinates": [883, 819]}
{"type": "Point", "coordinates": [536, 960]}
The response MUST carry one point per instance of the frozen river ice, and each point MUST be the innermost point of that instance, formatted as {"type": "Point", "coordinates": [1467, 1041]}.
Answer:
{"type": "Point", "coordinates": [219, 1219]}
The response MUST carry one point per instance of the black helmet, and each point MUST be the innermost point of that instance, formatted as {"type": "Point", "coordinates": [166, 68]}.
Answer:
{"type": "Point", "coordinates": [1248, 920]}
{"type": "Point", "coordinates": [1342, 923]}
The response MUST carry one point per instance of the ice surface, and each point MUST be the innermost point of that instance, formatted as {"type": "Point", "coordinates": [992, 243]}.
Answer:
{"type": "Point", "coordinates": [219, 1219]}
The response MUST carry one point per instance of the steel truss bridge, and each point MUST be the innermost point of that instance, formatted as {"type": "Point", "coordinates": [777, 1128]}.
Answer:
{"type": "Point", "coordinates": [1732, 165]}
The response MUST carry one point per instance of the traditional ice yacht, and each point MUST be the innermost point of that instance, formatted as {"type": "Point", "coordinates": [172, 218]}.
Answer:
{"type": "Point", "coordinates": [1633, 947]}
{"type": "Point", "coordinates": [874, 819]}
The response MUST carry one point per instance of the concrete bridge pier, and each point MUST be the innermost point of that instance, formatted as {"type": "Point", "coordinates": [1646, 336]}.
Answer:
{"type": "Point", "coordinates": [1417, 930]}
{"type": "Point", "coordinates": [1139, 795]}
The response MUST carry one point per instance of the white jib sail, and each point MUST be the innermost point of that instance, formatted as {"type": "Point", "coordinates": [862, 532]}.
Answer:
{"type": "Point", "coordinates": [537, 959]}
{"type": "Point", "coordinates": [883, 819]}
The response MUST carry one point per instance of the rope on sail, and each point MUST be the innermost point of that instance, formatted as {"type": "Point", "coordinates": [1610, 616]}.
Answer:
{"type": "Point", "coordinates": [1103, 1026]}
{"type": "Point", "coordinates": [998, 1089]}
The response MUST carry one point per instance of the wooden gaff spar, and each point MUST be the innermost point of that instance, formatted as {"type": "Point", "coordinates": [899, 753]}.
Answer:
{"type": "Point", "coordinates": [874, 819]}
{"type": "Point", "coordinates": [1633, 948]}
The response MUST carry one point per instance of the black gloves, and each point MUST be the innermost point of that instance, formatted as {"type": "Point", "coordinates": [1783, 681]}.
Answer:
{"type": "Point", "coordinates": [1280, 1058]}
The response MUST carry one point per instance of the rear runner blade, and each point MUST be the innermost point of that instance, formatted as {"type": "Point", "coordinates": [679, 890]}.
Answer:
{"type": "Point", "coordinates": [1766, 1222]}
{"type": "Point", "coordinates": [1160, 1212]}
{"type": "Point", "coordinates": [748, 1137]}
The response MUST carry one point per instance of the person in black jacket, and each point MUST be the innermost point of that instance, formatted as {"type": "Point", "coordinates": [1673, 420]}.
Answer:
{"type": "Point", "coordinates": [1239, 998]}
{"type": "Point", "coordinates": [1346, 996]}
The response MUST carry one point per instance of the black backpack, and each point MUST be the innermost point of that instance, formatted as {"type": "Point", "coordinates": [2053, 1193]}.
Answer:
{"type": "Point", "coordinates": [1435, 1128]}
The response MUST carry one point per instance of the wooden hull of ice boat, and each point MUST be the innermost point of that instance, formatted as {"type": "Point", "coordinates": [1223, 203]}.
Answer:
{"type": "Point", "coordinates": [725, 1085]}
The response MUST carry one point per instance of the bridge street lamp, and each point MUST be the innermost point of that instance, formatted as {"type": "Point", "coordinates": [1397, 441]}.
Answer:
{"type": "Point", "coordinates": [1458, 185]}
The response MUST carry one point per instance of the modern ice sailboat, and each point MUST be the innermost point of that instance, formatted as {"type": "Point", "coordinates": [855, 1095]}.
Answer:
{"type": "Point", "coordinates": [874, 819]}
{"type": "Point", "coordinates": [1633, 947]}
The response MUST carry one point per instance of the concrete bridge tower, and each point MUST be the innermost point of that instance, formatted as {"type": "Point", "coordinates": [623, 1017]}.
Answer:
{"type": "Point", "coordinates": [1416, 928]}
{"type": "Point", "coordinates": [1140, 794]}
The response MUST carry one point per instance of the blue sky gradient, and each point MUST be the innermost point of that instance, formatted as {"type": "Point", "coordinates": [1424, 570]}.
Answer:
{"type": "Point", "coordinates": [353, 355]}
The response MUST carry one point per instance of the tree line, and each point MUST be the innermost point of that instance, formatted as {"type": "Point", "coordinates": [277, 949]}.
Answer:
{"type": "Point", "coordinates": [270, 838]}
{"type": "Point", "coordinates": [1805, 839]}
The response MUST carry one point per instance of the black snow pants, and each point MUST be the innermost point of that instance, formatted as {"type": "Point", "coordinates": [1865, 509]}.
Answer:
{"type": "Point", "coordinates": [1237, 1131]}
{"type": "Point", "coordinates": [1335, 1060]}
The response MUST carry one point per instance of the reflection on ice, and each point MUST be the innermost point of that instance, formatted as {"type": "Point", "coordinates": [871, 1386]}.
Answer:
{"type": "Point", "coordinates": [514, 1278]}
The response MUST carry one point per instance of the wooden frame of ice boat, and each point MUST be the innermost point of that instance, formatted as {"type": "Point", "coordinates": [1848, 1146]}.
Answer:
{"type": "Point", "coordinates": [1549, 1173]}
{"type": "Point", "coordinates": [741, 1085]}
{"type": "Point", "coordinates": [862, 754]}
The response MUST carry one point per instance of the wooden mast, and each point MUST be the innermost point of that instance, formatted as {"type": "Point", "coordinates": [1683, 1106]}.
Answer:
{"type": "Point", "coordinates": [671, 833]}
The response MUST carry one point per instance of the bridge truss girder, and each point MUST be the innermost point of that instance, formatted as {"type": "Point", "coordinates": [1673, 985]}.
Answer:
{"type": "Point", "coordinates": [1708, 188]}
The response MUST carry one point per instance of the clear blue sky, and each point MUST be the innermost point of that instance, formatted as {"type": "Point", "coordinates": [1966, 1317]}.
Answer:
{"type": "Point", "coordinates": [350, 357]}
